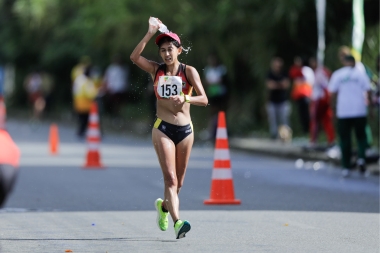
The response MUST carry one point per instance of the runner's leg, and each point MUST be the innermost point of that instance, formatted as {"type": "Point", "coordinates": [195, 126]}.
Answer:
{"type": "Point", "coordinates": [183, 150]}
{"type": "Point", "coordinates": [271, 111]}
{"type": "Point", "coordinates": [166, 152]}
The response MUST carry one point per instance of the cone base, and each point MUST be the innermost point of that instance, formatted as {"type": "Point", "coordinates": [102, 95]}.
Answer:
{"type": "Point", "coordinates": [93, 166]}
{"type": "Point", "coordinates": [93, 160]}
{"type": "Point", "coordinates": [222, 202]}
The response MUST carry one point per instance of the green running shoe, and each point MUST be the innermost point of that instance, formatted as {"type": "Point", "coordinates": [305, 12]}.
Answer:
{"type": "Point", "coordinates": [162, 217]}
{"type": "Point", "coordinates": [181, 228]}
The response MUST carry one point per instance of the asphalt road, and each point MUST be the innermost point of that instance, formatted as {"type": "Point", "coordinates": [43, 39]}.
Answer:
{"type": "Point", "coordinates": [312, 205]}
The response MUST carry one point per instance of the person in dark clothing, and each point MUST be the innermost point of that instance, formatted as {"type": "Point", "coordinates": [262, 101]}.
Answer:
{"type": "Point", "coordinates": [278, 107]}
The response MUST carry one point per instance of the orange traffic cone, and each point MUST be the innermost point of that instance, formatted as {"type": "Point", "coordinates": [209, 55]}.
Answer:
{"type": "Point", "coordinates": [93, 139]}
{"type": "Point", "coordinates": [53, 139]}
{"type": "Point", "coordinates": [3, 113]}
{"type": "Point", "coordinates": [222, 186]}
{"type": "Point", "coordinates": [9, 152]}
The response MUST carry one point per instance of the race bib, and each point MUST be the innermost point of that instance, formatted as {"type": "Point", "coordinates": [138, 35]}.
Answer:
{"type": "Point", "coordinates": [169, 86]}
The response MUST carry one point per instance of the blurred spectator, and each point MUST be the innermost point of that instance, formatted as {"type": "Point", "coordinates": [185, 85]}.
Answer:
{"type": "Point", "coordinates": [33, 84]}
{"type": "Point", "coordinates": [96, 77]}
{"type": "Point", "coordinates": [320, 110]}
{"type": "Point", "coordinates": [303, 79]}
{"type": "Point", "coordinates": [278, 107]}
{"type": "Point", "coordinates": [343, 52]}
{"type": "Point", "coordinates": [47, 89]}
{"type": "Point", "coordinates": [215, 75]}
{"type": "Point", "coordinates": [296, 69]}
{"type": "Point", "coordinates": [115, 83]}
{"type": "Point", "coordinates": [78, 69]}
{"type": "Point", "coordinates": [377, 96]}
{"type": "Point", "coordinates": [9, 162]}
{"type": "Point", "coordinates": [350, 88]}
{"type": "Point", "coordinates": [84, 93]}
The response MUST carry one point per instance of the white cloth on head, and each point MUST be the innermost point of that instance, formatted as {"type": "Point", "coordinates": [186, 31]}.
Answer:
{"type": "Point", "coordinates": [351, 84]}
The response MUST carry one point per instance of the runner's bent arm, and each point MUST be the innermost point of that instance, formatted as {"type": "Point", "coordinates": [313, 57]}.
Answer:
{"type": "Point", "coordinates": [143, 63]}
{"type": "Point", "coordinates": [193, 76]}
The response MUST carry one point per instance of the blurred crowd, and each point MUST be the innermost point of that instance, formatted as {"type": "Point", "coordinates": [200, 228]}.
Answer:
{"type": "Point", "coordinates": [320, 101]}
{"type": "Point", "coordinates": [109, 90]}
{"type": "Point", "coordinates": [338, 102]}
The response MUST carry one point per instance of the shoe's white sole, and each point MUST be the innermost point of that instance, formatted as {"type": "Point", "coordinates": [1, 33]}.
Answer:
{"type": "Point", "coordinates": [183, 230]}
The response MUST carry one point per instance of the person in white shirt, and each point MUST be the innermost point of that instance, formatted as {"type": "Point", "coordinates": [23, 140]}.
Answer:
{"type": "Point", "coordinates": [342, 53]}
{"type": "Point", "coordinates": [350, 89]}
{"type": "Point", "coordinates": [115, 83]}
{"type": "Point", "coordinates": [215, 79]}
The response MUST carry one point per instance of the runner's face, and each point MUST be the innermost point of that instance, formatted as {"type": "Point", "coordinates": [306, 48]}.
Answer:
{"type": "Point", "coordinates": [169, 53]}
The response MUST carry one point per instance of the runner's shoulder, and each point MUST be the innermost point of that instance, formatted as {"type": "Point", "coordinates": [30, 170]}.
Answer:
{"type": "Point", "coordinates": [190, 70]}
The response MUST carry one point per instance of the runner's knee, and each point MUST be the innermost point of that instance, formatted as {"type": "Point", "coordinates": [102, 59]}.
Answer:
{"type": "Point", "coordinates": [171, 180]}
{"type": "Point", "coordinates": [179, 184]}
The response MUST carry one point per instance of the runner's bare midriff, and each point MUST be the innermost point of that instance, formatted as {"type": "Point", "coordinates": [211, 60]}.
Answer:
{"type": "Point", "coordinates": [176, 115]}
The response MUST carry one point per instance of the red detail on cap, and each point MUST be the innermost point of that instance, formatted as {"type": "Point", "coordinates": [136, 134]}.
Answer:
{"type": "Point", "coordinates": [171, 35]}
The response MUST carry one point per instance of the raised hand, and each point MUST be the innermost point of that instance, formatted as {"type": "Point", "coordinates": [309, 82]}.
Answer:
{"type": "Point", "coordinates": [153, 26]}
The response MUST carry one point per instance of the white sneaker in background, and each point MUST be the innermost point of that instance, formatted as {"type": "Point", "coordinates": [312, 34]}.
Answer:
{"type": "Point", "coordinates": [334, 152]}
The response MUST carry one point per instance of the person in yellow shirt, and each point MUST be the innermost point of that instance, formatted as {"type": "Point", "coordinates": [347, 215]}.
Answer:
{"type": "Point", "coordinates": [80, 67]}
{"type": "Point", "coordinates": [84, 94]}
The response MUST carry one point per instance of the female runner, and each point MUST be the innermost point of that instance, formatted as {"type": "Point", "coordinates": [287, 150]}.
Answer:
{"type": "Point", "coordinates": [172, 132]}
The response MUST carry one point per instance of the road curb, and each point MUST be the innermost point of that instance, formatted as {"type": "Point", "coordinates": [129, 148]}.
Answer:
{"type": "Point", "coordinates": [286, 150]}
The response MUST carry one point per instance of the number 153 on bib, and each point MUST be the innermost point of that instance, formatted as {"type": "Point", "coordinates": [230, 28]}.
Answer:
{"type": "Point", "coordinates": [169, 86]}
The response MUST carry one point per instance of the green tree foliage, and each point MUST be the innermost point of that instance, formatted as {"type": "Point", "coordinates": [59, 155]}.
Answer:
{"type": "Point", "coordinates": [54, 34]}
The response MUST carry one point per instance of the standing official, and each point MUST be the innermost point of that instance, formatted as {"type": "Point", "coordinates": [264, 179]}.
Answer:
{"type": "Point", "coordinates": [350, 89]}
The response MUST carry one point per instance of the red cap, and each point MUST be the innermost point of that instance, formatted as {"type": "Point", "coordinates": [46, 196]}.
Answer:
{"type": "Point", "coordinates": [171, 35]}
